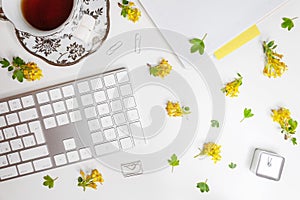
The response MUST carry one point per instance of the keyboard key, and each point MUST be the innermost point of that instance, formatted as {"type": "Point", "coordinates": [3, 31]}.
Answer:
{"type": "Point", "coordinates": [68, 91]}
{"type": "Point", "coordinates": [34, 153]}
{"type": "Point", "coordinates": [12, 119]}
{"type": "Point", "coordinates": [83, 87]}
{"type": "Point", "coordinates": [126, 90]}
{"type": "Point", "coordinates": [96, 84]}
{"type": "Point", "coordinates": [42, 97]}
{"type": "Point", "coordinates": [129, 102]}
{"type": "Point", "coordinates": [3, 108]}
{"type": "Point", "coordinates": [62, 119]}
{"type": "Point", "coordinates": [59, 107]}
{"type": "Point", "coordinates": [103, 109]}
{"type": "Point", "coordinates": [94, 125]}
{"type": "Point", "coordinates": [22, 129]}
{"type": "Point", "coordinates": [46, 110]}
{"type": "Point", "coordinates": [28, 115]}
{"type": "Point", "coordinates": [15, 104]}
{"type": "Point", "coordinates": [99, 96]}
{"type": "Point", "coordinates": [85, 153]}
{"type": "Point", "coordinates": [109, 80]}
{"type": "Point", "coordinates": [9, 133]}
{"type": "Point", "coordinates": [106, 121]}
{"type": "Point", "coordinates": [110, 134]}
{"type": "Point", "coordinates": [132, 115]}
{"type": "Point", "coordinates": [97, 137]}
{"type": "Point", "coordinates": [36, 128]}
{"type": "Point", "coordinates": [42, 164]}
{"type": "Point", "coordinates": [69, 144]}
{"type": "Point", "coordinates": [8, 172]}
{"type": "Point", "coordinates": [72, 104]}
{"type": "Point", "coordinates": [60, 159]}
{"type": "Point", "coordinates": [90, 112]}
{"type": "Point", "coordinates": [107, 148]}
{"type": "Point", "coordinates": [116, 105]}
{"type": "Point", "coordinates": [50, 123]}
{"type": "Point", "coordinates": [55, 94]}
{"type": "Point", "coordinates": [73, 156]}
{"type": "Point", "coordinates": [13, 158]}
{"type": "Point", "coordinates": [2, 122]}
{"type": "Point", "coordinates": [126, 143]}
{"type": "Point", "coordinates": [25, 168]}
{"type": "Point", "coordinates": [29, 141]}
{"type": "Point", "coordinates": [75, 116]}
{"type": "Point", "coordinates": [122, 77]}
{"type": "Point", "coordinates": [3, 161]}
{"type": "Point", "coordinates": [4, 147]}
{"type": "Point", "coordinates": [87, 99]}
{"type": "Point", "coordinates": [113, 93]}
{"type": "Point", "coordinates": [27, 101]}
{"type": "Point", "coordinates": [1, 136]}
{"type": "Point", "coordinates": [16, 144]}
{"type": "Point", "coordinates": [119, 118]}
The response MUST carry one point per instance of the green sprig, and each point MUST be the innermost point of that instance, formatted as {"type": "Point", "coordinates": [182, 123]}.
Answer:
{"type": "Point", "coordinates": [173, 162]}
{"type": "Point", "coordinates": [247, 114]}
{"type": "Point", "coordinates": [288, 23]}
{"type": "Point", "coordinates": [49, 182]}
{"type": "Point", "coordinates": [198, 45]}
{"type": "Point", "coordinates": [203, 186]}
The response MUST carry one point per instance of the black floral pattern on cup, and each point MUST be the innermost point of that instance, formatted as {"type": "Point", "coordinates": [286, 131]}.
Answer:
{"type": "Point", "coordinates": [46, 45]}
{"type": "Point", "coordinates": [75, 50]}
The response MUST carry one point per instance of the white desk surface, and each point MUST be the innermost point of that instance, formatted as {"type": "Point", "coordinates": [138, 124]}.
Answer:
{"type": "Point", "coordinates": [238, 140]}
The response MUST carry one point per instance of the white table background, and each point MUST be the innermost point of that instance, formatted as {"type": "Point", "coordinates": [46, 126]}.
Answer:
{"type": "Point", "coordinates": [238, 140]}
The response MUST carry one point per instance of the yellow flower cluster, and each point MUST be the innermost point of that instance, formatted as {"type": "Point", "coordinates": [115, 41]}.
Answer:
{"type": "Point", "coordinates": [232, 88]}
{"type": "Point", "coordinates": [32, 72]}
{"type": "Point", "coordinates": [211, 149]}
{"type": "Point", "coordinates": [161, 70]}
{"type": "Point", "coordinates": [128, 10]}
{"type": "Point", "coordinates": [274, 67]}
{"type": "Point", "coordinates": [174, 109]}
{"type": "Point", "coordinates": [282, 116]}
{"type": "Point", "coordinates": [90, 180]}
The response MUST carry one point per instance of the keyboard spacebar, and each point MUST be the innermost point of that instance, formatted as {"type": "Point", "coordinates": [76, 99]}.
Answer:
{"type": "Point", "coordinates": [34, 153]}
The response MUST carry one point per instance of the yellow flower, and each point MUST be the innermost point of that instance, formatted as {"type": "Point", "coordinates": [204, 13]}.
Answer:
{"type": "Point", "coordinates": [134, 14]}
{"type": "Point", "coordinates": [90, 180]}
{"type": "Point", "coordinates": [282, 116]}
{"type": "Point", "coordinates": [232, 88]}
{"type": "Point", "coordinates": [161, 70]}
{"type": "Point", "coordinates": [32, 72]}
{"type": "Point", "coordinates": [274, 67]}
{"type": "Point", "coordinates": [211, 149]}
{"type": "Point", "coordinates": [174, 109]}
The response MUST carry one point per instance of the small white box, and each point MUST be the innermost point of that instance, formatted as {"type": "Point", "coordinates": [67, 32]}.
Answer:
{"type": "Point", "coordinates": [267, 164]}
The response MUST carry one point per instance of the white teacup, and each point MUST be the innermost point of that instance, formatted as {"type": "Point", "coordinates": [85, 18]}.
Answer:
{"type": "Point", "coordinates": [13, 11]}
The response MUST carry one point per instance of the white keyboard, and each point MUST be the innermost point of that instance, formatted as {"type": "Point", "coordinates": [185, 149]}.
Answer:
{"type": "Point", "coordinates": [67, 123]}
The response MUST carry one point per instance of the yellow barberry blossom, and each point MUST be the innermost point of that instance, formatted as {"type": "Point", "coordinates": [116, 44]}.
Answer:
{"type": "Point", "coordinates": [288, 126]}
{"type": "Point", "coordinates": [90, 180]}
{"type": "Point", "coordinates": [231, 89]}
{"type": "Point", "coordinates": [162, 69]}
{"type": "Point", "coordinates": [32, 72]}
{"type": "Point", "coordinates": [134, 14]}
{"type": "Point", "coordinates": [211, 149]}
{"type": "Point", "coordinates": [130, 11]}
{"type": "Point", "coordinates": [175, 110]}
{"type": "Point", "coordinates": [274, 67]}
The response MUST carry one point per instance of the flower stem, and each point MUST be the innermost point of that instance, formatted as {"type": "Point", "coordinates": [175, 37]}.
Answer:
{"type": "Point", "coordinates": [204, 36]}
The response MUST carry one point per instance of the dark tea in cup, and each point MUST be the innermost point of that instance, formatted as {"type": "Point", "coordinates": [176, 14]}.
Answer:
{"type": "Point", "coordinates": [46, 15]}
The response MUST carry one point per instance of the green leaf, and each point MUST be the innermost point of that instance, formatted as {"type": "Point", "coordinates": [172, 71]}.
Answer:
{"type": "Point", "coordinates": [5, 63]}
{"type": "Point", "coordinates": [232, 165]}
{"type": "Point", "coordinates": [173, 161]}
{"type": "Point", "coordinates": [49, 182]}
{"type": "Point", "coordinates": [203, 186]}
{"type": "Point", "coordinates": [125, 2]}
{"type": "Point", "coordinates": [17, 61]}
{"type": "Point", "coordinates": [198, 45]}
{"type": "Point", "coordinates": [10, 68]}
{"type": "Point", "coordinates": [294, 141]}
{"type": "Point", "coordinates": [215, 123]}
{"type": "Point", "coordinates": [271, 43]}
{"type": "Point", "coordinates": [247, 114]}
{"type": "Point", "coordinates": [19, 75]}
{"type": "Point", "coordinates": [288, 23]}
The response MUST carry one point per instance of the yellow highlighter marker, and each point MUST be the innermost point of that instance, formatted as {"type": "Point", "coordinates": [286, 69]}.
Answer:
{"type": "Point", "coordinates": [237, 42]}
